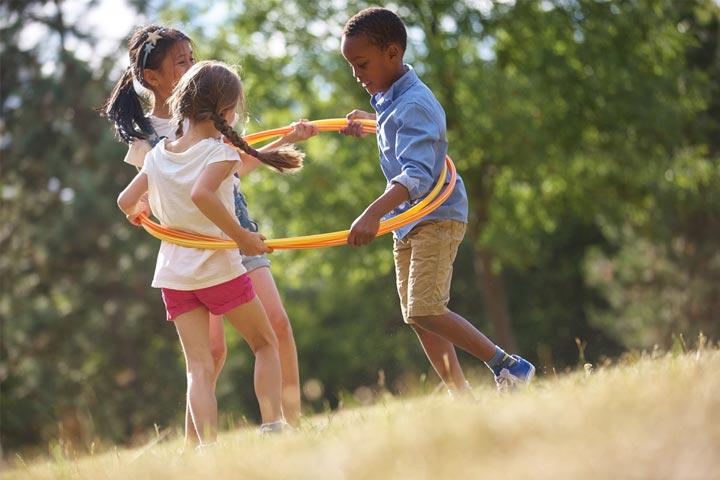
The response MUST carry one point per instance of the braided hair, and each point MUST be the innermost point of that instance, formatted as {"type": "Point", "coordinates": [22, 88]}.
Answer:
{"type": "Point", "coordinates": [206, 92]}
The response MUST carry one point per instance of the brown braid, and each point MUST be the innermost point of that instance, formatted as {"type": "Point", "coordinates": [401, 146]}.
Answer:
{"type": "Point", "coordinates": [283, 160]}
{"type": "Point", "coordinates": [208, 90]}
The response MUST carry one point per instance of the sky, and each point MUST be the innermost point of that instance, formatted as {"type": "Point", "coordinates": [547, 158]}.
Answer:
{"type": "Point", "coordinates": [109, 21]}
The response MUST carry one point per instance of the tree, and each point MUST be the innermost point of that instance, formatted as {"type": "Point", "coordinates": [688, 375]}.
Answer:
{"type": "Point", "coordinates": [83, 337]}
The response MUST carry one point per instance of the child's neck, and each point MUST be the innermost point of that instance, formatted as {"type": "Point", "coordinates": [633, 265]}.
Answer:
{"type": "Point", "coordinates": [399, 71]}
{"type": "Point", "coordinates": [196, 132]}
{"type": "Point", "coordinates": [160, 107]}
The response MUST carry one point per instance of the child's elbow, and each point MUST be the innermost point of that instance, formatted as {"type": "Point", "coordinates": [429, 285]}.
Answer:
{"type": "Point", "coordinates": [122, 202]}
{"type": "Point", "coordinates": [198, 195]}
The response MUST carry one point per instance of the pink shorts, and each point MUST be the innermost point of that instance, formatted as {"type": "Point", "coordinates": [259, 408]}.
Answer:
{"type": "Point", "coordinates": [218, 299]}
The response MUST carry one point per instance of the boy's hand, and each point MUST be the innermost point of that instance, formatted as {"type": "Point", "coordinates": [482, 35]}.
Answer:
{"type": "Point", "coordinates": [301, 130]}
{"type": "Point", "coordinates": [355, 129]}
{"type": "Point", "coordinates": [364, 229]}
{"type": "Point", "coordinates": [143, 206]}
{"type": "Point", "coordinates": [252, 244]}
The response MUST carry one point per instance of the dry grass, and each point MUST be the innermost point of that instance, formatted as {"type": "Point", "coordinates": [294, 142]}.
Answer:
{"type": "Point", "coordinates": [649, 418]}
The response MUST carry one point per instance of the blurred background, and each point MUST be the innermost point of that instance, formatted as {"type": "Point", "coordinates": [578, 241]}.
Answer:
{"type": "Point", "coordinates": [587, 132]}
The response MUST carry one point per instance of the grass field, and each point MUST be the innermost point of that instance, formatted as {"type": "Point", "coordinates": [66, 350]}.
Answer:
{"type": "Point", "coordinates": [641, 418]}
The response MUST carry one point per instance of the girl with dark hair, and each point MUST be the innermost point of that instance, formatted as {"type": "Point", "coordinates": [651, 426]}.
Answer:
{"type": "Point", "coordinates": [159, 56]}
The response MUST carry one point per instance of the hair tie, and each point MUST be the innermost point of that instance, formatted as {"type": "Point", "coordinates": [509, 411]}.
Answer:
{"type": "Point", "coordinates": [250, 150]}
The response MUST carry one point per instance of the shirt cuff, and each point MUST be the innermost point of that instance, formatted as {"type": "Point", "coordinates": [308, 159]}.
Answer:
{"type": "Point", "coordinates": [412, 184]}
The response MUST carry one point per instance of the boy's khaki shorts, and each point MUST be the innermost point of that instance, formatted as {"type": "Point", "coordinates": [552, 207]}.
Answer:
{"type": "Point", "coordinates": [424, 265]}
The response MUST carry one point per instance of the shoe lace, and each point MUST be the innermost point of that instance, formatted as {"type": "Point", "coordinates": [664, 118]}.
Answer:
{"type": "Point", "coordinates": [505, 380]}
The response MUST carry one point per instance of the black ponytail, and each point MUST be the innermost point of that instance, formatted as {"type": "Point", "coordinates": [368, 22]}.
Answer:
{"type": "Point", "coordinates": [125, 110]}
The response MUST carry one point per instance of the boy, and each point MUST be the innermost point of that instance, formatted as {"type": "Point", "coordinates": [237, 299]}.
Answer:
{"type": "Point", "coordinates": [412, 141]}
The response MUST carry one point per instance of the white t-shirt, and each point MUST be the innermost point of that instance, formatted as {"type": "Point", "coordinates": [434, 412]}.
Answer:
{"type": "Point", "coordinates": [171, 177]}
{"type": "Point", "coordinates": [139, 148]}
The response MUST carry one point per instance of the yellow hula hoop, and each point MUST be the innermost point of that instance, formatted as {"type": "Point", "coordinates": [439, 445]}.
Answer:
{"type": "Point", "coordinates": [433, 200]}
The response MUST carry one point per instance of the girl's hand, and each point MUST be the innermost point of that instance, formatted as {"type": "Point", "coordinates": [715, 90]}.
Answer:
{"type": "Point", "coordinates": [252, 244]}
{"type": "Point", "coordinates": [142, 207]}
{"type": "Point", "coordinates": [301, 130]}
{"type": "Point", "coordinates": [353, 128]}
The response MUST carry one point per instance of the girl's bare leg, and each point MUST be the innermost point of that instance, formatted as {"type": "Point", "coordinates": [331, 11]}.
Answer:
{"type": "Point", "coordinates": [269, 296]}
{"type": "Point", "coordinates": [218, 350]}
{"type": "Point", "coordinates": [252, 323]}
{"type": "Point", "coordinates": [193, 330]}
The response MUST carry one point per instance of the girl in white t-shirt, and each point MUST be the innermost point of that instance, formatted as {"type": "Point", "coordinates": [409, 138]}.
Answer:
{"type": "Point", "coordinates": [190, 186]}
{"type": "Point", "coordinates": [169, 56]}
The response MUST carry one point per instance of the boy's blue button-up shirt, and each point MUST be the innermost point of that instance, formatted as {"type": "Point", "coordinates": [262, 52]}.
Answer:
{"type": "Point", "coordinates": [412, 140]}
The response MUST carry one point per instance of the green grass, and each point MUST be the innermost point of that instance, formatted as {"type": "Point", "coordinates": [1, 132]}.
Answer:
{"type": "Point", "coordinates": [644, 418]}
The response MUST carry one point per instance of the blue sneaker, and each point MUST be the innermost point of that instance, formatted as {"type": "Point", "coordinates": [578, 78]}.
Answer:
{"type": "Point", "coordinates": [509, 378]}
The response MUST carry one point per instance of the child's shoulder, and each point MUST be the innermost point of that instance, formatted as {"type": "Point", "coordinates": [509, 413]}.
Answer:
{"type": "Point", "coordinates": [218, 150]}
{"type": "Point", "coordinates": [420, 108]}
{"type": "Point", "coordinates": [422, 95]}
{"type": "Point", "coordinates": [136, 153]}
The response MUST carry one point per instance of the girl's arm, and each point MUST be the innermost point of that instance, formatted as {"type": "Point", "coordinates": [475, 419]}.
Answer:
{"type": "Point", "coordinates": [133, 201]}
{"type": "Point", "coordinates": [204, 196]}
{"type": "Point", "coordinates": [301, 130]}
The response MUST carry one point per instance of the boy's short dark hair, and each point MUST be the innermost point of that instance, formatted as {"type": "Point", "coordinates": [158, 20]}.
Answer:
{"type": "Point", "coordinates": [381, 26]}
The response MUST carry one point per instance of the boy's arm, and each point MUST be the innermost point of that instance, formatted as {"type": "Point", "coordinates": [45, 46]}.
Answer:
{"type": "Point", "coordinates": [353, 128]}
{"type": "Point", "coordinates": [133, 201]}
{"type": "Point", "coordinates": [364, 229]}
{"type": "Point", "coordinates": [204, 196]}
{"type": "Point", "coordinates": [415, 150]}
{"type": "Point", "coordinates": [416, 141]}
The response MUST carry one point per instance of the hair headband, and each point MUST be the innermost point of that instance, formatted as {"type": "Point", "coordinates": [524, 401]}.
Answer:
{"type": "Point", "coordinates": [149, 45]}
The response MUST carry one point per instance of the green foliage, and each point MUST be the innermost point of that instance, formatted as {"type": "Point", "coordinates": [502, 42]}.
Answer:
{"type": "Point", "coordinates": [84, 347]}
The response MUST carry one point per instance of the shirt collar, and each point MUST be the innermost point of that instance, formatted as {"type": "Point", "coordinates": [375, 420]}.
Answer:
{"type": "Point", "coordinates": [382, 100]}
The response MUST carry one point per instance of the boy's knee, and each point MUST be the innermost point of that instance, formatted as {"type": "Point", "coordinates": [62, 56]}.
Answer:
{"type": "Point", "coordinates": [417, 322]}
{"type": "Point", "coordinates": [423, 321]}
{"type": "Point", "coordinates": [419, 331]}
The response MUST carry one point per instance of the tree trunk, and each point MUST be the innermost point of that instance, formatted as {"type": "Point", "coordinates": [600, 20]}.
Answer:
{"type": "Point", "coordinates": [495, 305]}
{"type": "Point", "coordinates": [491, 285]}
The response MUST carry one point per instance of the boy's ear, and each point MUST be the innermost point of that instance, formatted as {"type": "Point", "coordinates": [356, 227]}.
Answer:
{"type": "Point", "coordinates": [394, 51]}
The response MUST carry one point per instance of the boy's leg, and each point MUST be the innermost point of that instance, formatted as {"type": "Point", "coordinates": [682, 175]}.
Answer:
{"type": "Point", "coordinates": [443, 358]}
{"type": "Point", "coordinates": [439, 351]}
{"type": "Point", "coordinates": [269, 296]}
{"type": "Point", "coordinates": [434, 248]}
{"type": "Point", "coordinates": [457, 330]}
{"type": "Point", "coordinates": [509, 370]}
{"type": "Point", "coordinates": [193, 331]}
